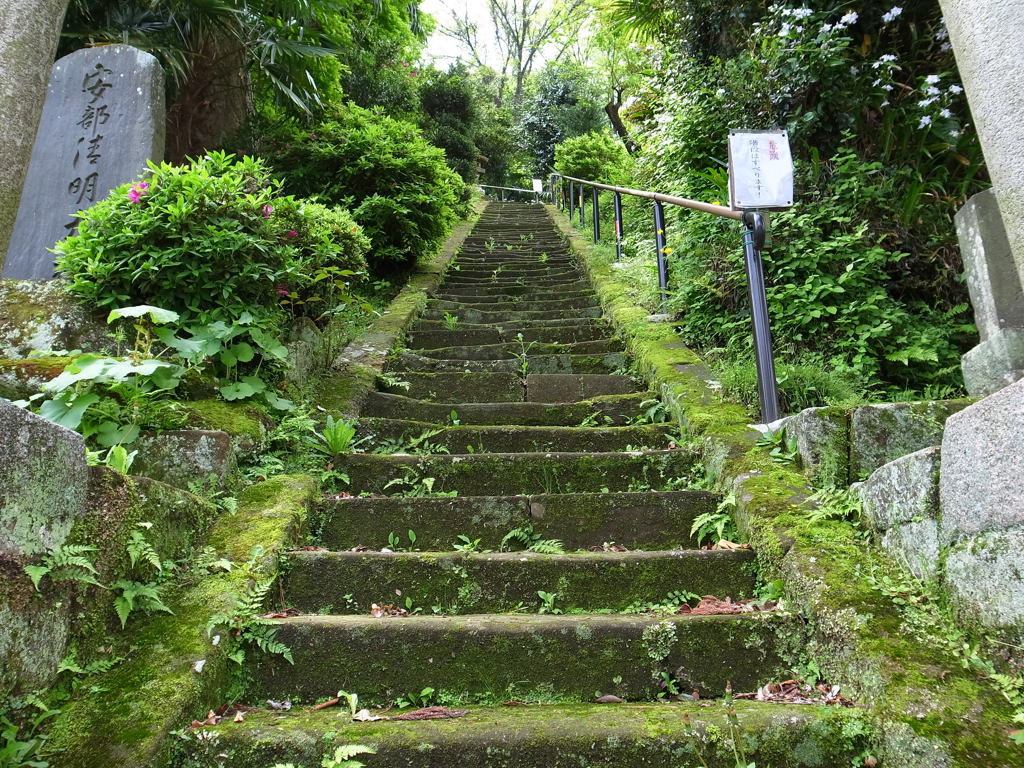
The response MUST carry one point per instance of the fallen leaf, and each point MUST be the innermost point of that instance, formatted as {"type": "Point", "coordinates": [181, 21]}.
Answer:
{"type": "Point", "coordinates": [239, 718]}
{"type": "Point", "coordinates": [431, 713]}
{"type": "Point", "coordinates": [284, 613]}
{"type": "Point", "coordinates": [283, 706]}
{"type": "Point", "coordinates": [710, 605]}
{"type": "Point", "coordinates": [379, 611]}
{"type": "Point", "coordinates": [515, 704]}
{"type": "Point", "coordinates": [609, 699]}
{"type": "Point", "coordinates": [725, 544]}
{"type": "Point", "coordinates": [326, 704]}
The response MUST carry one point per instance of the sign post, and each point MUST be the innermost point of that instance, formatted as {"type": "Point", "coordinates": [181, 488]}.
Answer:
{"type": "Point", "coordinates": [760, 177]}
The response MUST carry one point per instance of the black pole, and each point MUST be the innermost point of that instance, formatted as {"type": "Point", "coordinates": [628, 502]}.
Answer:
{"type": "Point", "coordinates": [767, 388]}
{"type": "Point", "coordinates": [597, 217]}
{"type": "Point", "coordinates": [660, 244]}
{"type": "Point", "coordinates": [618, 227]}
{"type": "Point", "coordinates": [572, 198]}
{"type": "Point", "coordinates": [581, 206]}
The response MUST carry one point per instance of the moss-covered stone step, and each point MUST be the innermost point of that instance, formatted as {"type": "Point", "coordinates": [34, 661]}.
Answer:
{"type": "Point", "coordinates": [482, 334]}
{"type": "Point", "coordinates": [514, 291]}
{"type": "Point", "coordinates": [509, 474]}
{"type": "Point", "coordinates": [576, 656]}
{"type": "Point", "coordinates": [459, 387]}
{"type": "Point", "coordinates": [515, 350]}
{"type": "Point", "coordinates": [595, 364]}
{"type": "Point", "coordinates": [652, 735]}
{"type": "Point", "coordinates": [500, 582]}
{"type": "Point", "coordinates": [609, 410]}
{"type": "Point", "coordinates": [514, 326]}
{"type": "Point", "coordinates": [402, 434]}
{"type": "Point", "coordinates": [485, 316]}
{"type": "Point", "coordinates": [513, 274]}
{"type": "Point", "coordinates": [554, 305]}
{"type": "Point", "coordinates": [647, 520]}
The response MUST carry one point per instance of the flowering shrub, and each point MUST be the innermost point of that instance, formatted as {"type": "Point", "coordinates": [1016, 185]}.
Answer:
{"type": "Point", "coordinates": [396, 184]}
{"type": "Point", "coordinates": [211, 240]}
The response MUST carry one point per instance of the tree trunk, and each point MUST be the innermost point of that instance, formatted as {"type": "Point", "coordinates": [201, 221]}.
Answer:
{"type": "Point", "coordinates": [612, 109]}
{"type": "Point", "coordinates": [29, 31]}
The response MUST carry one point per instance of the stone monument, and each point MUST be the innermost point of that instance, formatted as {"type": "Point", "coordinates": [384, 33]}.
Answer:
{"type": "Point", "coordinates": [102, 121]}
{"type": "Point", "coordinates": [996, 296]}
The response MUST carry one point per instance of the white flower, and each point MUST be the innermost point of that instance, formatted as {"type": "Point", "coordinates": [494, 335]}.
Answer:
{"type": "Point", "coordinates": [887, 87]}
{"type": "Point", "coordinates": [826, 28]}
{"type": "Point", "coordinates": [926, 120]}
{"type": "Point", "coordinates": [876, 83]}
{"type": "Point", "coordinates": [926, 103]}
{"type": "Point", "coordinates": [942, 34]}
{"type": "Point", "coordinates": [954, 134]}
{"type": "Point", "coordinates": [931, 90]}
{"type": "Point", "coordinates": [932, 79]}
{"type": "Point", "coordinates": [784, 30]}
{"type": "Point", "coordinates": [887, 58]}
{"type": "Point", "coordinates": [945, 47]}
{"type": "Point", "coordinates": [849, 18]}
{"type": "Point", "coordinates": [197, 667]}
{"type": "Point", "coordinates": [802, 13]}
{"type": "Point", "coordinates": [720, 92]}
{"type": "Point", "coordinates": [956, 89]}
{"type": "Point", "coordinates": [891, 14]}
{"type": "Point", "coordinates": [885, 103]}
{"type": "Point", "coordinates": [945, 113]}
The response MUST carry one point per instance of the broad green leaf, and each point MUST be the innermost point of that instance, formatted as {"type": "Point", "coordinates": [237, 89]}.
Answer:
{"type": "Point", "coordinates": [269, 344]}
{"type": "Point", "coordinates": [243, 352]}
{"type": "Point", "coordinates": [156, 314]}
{"type": "Point", "coordinates": [237, 391]}
{"type": "Point", "coordinates": [68, 413]}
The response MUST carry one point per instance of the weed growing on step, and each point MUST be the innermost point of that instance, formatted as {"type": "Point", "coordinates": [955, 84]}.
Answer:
{"type": "Point", "coordinates": [717, 525]}
{"type": "Point", "coordinates": [547, 602]}
{"type": "Point", "coordinates": [392, 381]}
{"type": "Point", "coordinates": [524, 537]}
{"type": "Point", "coordinates": [413, 446]}
{"type": "Point", "coordinates": [542, 258]}
{"type": "Point", "coordinates": [653, 411]}
{"type": "Point", "coordinates": [673, 601]}
{"type": "Point", "coordinates": [465, 544]}
{"type": "Point", "coordinates": [783, 449]}
{"type": "Point", "coordinates": [835, 504]}
{"type": "Point", "coordinates": [425, 698]}
{"type": "Point", "coordinates": [245, 629]}
{"type": "Point", "coordinates": [335, 438]}
{"type": "Point", "coordinates": [414, 486]}
{"type": "Point", "coordinates": [522, 355]}
{"type": "Point", "coordinates": [395, 542]}
{"type": "Point", "coordinates": [451, 322]}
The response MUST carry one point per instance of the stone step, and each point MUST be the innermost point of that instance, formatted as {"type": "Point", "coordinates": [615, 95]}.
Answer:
{"type": "Point", "coordinates": [573, 656]}
{"type": "Point", "coordinates": [644, 520]}
{"type": "Point", "coordinates": [500, 582]}
{"type": "Point", "coordinates": [460, 387]}
{"type": "Point", "coordinates": [548, 365]}
{"type": "Point", "coordinates": [510, 273]}
{"type": "Point", "coordinates": [515, 291]}
{"type": "Point", "coordinates": [609, 410]}
{"type": "Point", "coordinates": [457, 307]}
{"type": "Point", "coordinates": [489, 317]}
{"type": "Point", "coordinates": [401, 435]}
{"type": "Point", "coordinates": [512, 326]}
{"type": "Point", "coordinates": [654, 735]}
{"type": "Point", "coordinates": [510, 474]}
{"type": "Point", "coordinates": [482, 334]}
{"type": "Point", "coordinates": [515, 350]}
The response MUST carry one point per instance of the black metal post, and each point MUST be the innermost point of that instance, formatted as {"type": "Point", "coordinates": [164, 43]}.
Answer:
{"type": "Point", "coordinates": [597, 217]}
{"type": "Point", "coordinates": [618, 227]}
{"type": "Point", "coordinates": [581, 205]}
{"type": "Point", "coordinates": [767, 387]}
{"type": "Point", "coordinates": [660, 244]}
{"type": "Point", "coordinates": [572, 198]}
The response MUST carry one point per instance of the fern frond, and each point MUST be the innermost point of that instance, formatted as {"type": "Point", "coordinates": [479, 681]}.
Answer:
{"type": "Point", "coordinates": [547, 547]}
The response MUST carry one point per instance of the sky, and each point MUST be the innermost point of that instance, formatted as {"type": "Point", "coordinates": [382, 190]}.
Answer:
{"type": "Point", "coordinates": [443, 48]}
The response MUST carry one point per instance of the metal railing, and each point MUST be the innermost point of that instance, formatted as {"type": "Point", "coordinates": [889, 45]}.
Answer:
{"type": "Point", "coordinates": [532, 192]}
{"type": "Point", "coordinates": [568, 195]}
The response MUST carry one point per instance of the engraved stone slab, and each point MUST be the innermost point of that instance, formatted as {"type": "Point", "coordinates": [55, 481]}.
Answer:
{"type": "Point", "coordinates": [102, 120]}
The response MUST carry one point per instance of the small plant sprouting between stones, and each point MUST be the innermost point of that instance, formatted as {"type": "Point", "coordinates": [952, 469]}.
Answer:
{"type": "Point", "coordinates": [336, 437]}
{"type": "Point", "coordinates": [524, 537]}
{"type": "Point", "coordinates": [835, 504]}
{"type": "Point", "coordinates": [392, 381]}
{"type": "Point", "coordinates": [716, 526]}
{"type": "Point", "coordinates": [522, 355]}
{"type": "Point", "coordinates": [69, 562]}
{"type": "Point", "coordinates": [451, 322]}
{"type": "Point", "coordinates": [395, 542]}
{"type": "Point", "coordinates": [783, 449]}
{"type": "Point", "coordinates": [245, 626]}
{"type": "Point", "coordinates": [466, 544]}
{"type": "Point", "coordinates": [547, 602]}
{"type": "Point", "coordinates": [425, 698]}
{"type": "Point", "coordinates": [342, 757]}
{"type": "Point", "coordinates": [416, 487]}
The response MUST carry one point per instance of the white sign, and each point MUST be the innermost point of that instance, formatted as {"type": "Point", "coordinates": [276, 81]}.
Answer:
{"type": "Point", "coordinates": [760, 170]}
{"type": "Point", "coordinates": [538, 185]}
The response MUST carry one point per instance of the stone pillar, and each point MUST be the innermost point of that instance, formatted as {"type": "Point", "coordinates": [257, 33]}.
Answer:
{"type": "Point", "coordinates": [996, 296]}
{"type": "Point", "coordinates": [987, 38]}
{"type": "Point", "coordinates": [29, 30]}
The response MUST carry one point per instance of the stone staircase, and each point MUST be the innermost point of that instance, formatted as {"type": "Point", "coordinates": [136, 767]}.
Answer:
{"type": "Point", "coordinates": [513, 393]}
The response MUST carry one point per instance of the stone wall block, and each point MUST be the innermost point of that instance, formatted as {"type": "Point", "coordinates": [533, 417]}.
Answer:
{"type": "Point", "coordinates": [883, 433]}
{"type": "Point", "coordinates": [823, 441]}
{"type": "Point", "coordinates": [985, 580]}
{"type": "Point", "coordinates": [184, 456]}
{"type": "Point", "coordinates": [43, 483]}
{"type": "Point", "coordinates": [981, 487]}
{"type": "Point", "coordinates": [916, 544]}
{"type": "Point", "coordinates": [903, 491]}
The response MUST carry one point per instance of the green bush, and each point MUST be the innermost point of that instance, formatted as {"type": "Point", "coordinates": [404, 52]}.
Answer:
{"type": "Point", "coordinates": [396, 184]}
{"type": "Point", "coordinates": [594, 156]}
{"type": "Point", "coordinates": [211, 240]}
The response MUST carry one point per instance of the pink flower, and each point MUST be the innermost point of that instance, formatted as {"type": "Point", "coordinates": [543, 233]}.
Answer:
{"type": "Point", "coordinates": [292, 233]}
{"type": "Point", "coordinates": [282, 290]}
{"type": "Point", "coordinates": [267, 210]}
{"type": "Point", "coordinates": [137, 191]}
